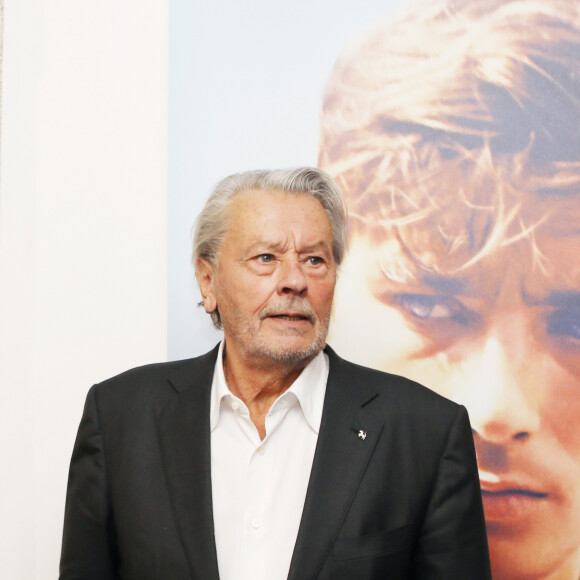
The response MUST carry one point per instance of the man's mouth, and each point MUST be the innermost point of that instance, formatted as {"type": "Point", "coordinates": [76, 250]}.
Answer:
{"type": "Point", "coordinates": [514, 492]}
{"type": "Point", "coordinates": [494, 485]}
{"type": "Point", "coordinates": [294, 314]}
{"type": "Point", "coordinates": [510, 503]}
{"type": "Point", "coordinates": [291, 317]}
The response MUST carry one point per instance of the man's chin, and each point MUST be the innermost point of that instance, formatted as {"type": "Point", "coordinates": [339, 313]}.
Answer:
{"type": "Point", "coordinates": [291, 352]}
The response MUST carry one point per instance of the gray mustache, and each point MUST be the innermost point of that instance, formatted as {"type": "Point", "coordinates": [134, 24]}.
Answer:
{"type": "Point", "coordinates": [297, 308]}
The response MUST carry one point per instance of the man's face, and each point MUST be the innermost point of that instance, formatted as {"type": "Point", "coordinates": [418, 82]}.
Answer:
{"type": "Point", "coordinates": [275, 278]}
{"type": "Point", "coordinates": [503, 339]}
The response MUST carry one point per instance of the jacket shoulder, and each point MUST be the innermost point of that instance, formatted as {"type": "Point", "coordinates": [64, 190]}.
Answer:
{"type": "Point", "coordinates": [394, 390]}
{"type": "Point", "coordinates": [156, 379]}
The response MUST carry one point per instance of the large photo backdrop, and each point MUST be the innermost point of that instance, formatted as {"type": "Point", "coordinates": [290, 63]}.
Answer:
{"type": "Point", "coordinates": [453, 130]}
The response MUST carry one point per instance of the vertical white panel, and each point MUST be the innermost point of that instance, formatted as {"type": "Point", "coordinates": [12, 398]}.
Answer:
{"type": "Point", "coordinates": [82, 239]}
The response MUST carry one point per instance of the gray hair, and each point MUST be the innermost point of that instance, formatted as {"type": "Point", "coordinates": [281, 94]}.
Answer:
{"type": "Point", "coordinates": [212, 223]}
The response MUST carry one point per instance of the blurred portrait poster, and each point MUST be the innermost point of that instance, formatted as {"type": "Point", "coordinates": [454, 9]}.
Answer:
{"type": "Point", "coordinates": [453, 129]}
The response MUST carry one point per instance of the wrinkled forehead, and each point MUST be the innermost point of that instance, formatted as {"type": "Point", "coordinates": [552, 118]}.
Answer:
{"type": "Point", "coordinates": [275, 217]}
{"type": "Point", "coordinates": [252, 209]}
{"type": "Point", "coordinates": [259, 201]}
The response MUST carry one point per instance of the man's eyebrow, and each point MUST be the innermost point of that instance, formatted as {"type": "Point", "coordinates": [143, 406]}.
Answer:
{"type": "Point", "coordinates": [264, 245]}
{"type": "Point", "coordinates": [443, 284]}
{"type": "Point", "coordinates": [569, 299]}
{"type": "Point", "coordinates": [438, 282]}
{"type": "Point", "coordinates": [317, 246]}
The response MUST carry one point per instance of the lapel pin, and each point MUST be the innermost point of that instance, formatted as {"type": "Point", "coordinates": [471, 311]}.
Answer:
{"type": "Point", "coordinates": [362, 434]}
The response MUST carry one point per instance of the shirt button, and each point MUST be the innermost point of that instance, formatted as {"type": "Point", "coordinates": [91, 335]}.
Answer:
{"type": "Point", "coordinates": [261, 450]}
{"type": "Point", "coordinates": [255, 524]}
{"type": "Point", "coordinates": [235, 405]}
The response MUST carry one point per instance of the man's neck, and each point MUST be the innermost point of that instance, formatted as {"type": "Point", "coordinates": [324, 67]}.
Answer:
{"type": "Point", "coordinates": [258, 383]}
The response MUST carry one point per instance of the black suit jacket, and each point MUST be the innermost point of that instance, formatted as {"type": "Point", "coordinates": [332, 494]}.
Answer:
{"type": "Point", "coordinates": [404, 502]}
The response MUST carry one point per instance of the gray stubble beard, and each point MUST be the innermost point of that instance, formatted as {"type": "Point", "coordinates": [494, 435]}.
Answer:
{"type": "Point", "coordinates": [294, 357]}
{"type": "Point", "coordinates": [260, 347]}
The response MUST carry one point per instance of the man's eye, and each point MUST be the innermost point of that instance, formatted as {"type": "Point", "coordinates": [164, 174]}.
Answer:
{"type": "Point", "coordinates": [435, 308]}
{"type": "Point", "coordinates": [265, 258]}
{"type": "Point", "coordinates": [564, 324]}
{"type": "Point", "coordinates": [314, 260]}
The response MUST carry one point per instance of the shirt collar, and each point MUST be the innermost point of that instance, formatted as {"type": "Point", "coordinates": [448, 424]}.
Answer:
{"type": "Point", "coordinates": [309, 389]}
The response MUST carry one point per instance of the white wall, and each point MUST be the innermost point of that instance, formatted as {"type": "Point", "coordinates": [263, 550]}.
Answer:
{"type": "Point", "coordinates": [83, 239]}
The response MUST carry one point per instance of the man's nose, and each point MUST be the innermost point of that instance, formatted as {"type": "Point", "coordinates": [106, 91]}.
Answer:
{"type": "Point", "coordinates": [292, 278]}
{"type": "Point", "coordinates": [502, 390]}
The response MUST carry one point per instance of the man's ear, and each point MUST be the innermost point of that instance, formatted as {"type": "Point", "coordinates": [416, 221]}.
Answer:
{"type": "Point", "coordinates": [204, 274]}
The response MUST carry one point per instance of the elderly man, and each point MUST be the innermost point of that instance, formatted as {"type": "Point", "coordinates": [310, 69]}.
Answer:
{"type": "Point", "coordinates": [270, 457]}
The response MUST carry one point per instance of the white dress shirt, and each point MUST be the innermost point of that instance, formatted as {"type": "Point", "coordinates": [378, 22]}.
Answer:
{"type": "Point", "coordinates": [259, 487]}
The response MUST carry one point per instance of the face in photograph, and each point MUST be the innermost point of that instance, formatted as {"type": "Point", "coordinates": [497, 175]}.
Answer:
{"type": "Point", "coordinates": [452, 130]}
{"type": "Point", "coordinates": [501, 337]}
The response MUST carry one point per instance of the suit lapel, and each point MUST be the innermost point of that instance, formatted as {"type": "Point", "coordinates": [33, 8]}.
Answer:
{"type": "Point", "coordinates": [342, 454]}
{"type": "Point", "coordinates": [184, 435]}
{"type": "Point", "coordinates": [348, 435]}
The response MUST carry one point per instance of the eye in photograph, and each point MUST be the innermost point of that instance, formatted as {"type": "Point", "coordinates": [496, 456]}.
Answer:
{"type": "Point", "coordinates": [435, 308]}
